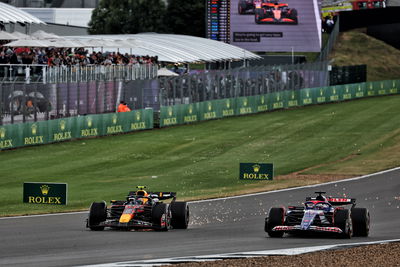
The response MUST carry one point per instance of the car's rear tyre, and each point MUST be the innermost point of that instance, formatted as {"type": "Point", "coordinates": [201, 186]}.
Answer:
{"type": "Point", "coordinates": [361, 220]}
{"type": "Point", "coordinates": [97, 215]}
{"type": "Point", "coordinates": [180, 215]}
{"type": "Point", "coordinates": [160, 214]}
{"type": "Point", "coordinates": [343, 221]}
{"type": "Point", "coordinates": [275, 218]}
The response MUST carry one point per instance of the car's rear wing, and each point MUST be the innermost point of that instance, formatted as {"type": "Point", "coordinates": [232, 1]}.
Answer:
{"type": "Point", "coordinates": [338, 201]}
{"type": "Point", "coordinates": [162, 195]}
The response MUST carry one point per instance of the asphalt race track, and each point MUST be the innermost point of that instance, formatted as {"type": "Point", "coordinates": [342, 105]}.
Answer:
{"type": "Point", "coordinates": [219, 226]}
{"type": "Point", "coordinates": [302, 37]}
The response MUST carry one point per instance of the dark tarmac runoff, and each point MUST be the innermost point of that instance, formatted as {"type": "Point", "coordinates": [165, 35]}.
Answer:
{"type": "Point", "coordinates": [218, 226]}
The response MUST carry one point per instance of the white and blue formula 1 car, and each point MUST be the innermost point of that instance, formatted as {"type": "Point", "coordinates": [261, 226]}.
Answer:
{"type": "Point", "coordinates": [319, 214]}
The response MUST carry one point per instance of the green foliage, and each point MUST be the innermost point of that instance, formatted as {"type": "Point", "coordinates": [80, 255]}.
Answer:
{"type": "Point", "coordinates": [202, 160]}
{"type": "Point", "coordinates": [128, 16]}
{"type": "Point", "coordinates": [186, 17]}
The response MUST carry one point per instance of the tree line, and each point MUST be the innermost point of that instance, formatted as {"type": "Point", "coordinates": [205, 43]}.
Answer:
{"type": "Point", "coordinates": [160, 16]}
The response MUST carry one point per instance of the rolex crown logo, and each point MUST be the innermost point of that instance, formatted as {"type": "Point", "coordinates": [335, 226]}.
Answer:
{"type": "Point", "coordinates": [45, 189]}
{"type": "Point", "coordinates": [381, 85]}
{"type": "Point", "coordinates": [308, 94]}
{"type": "Point", "coordinates": [190, 109]}
{"type": "Point", "coordinates": [34, 129]}
{"type": "Point", "coordinates": [170, 111]}
{"type": "Point", "coordinates": [262, 100]}
{"type": "Point", "coordinates": [278, 97]}
{"type": "Point", "coordinates": [334, 90]}
{"type": "Point", "coordinates": [114, 119]}
{"type": "Point", "coordinates": [138, 115]}
{"type": "Point", "coordinates": [256, 168]}
{"type": "Point", "coordinates": [89, 122]}
{"type": "Point", "coordinates": [2, 133]}
{"type": "Point", "coordinates": [62, 125]}
{"type": "Point", "coordinates": [245, 102]}
{"type": "Point", "coordinates": [209, 106]}
{"type": "Point", "coordinates": [359, 88]}
{"type": "Point", "coordinates": [228, 104]}
{"type": "Point", "coordinates": [320, 92]}
{"type": "Point", "coordinates": [347, 89]}
{"type": "Point", "coordinates": [292, 95]}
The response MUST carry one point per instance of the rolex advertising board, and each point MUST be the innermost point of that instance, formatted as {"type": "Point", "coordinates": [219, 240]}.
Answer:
{"type": "Point", "coordinates": [256, 171]}
{"type": "Point", "coordinates": [45, 193]}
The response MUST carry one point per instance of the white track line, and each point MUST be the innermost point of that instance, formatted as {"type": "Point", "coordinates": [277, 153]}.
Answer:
{"type": "Point", "coordinates": [214, 257]}
{"type": "Point", "coordinates": [233, 197]}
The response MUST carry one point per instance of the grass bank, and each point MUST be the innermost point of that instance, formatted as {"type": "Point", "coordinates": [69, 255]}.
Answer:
{"type": "Point", "coordinates": [307, 145]}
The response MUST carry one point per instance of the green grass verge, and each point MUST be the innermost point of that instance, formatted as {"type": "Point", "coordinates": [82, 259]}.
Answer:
{"type": "Point", "coordinates": [202, 160]}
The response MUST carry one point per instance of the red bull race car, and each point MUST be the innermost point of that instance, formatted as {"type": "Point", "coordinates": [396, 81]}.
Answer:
{"type": "Point", "coordinates": [275, 13]}
{"type": "Point", "coordinates": [140, 210]}
{"type": "Point", "coordinates": [319, 214]}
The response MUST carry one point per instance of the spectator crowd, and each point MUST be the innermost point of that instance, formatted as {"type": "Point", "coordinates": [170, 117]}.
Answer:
{"type": "Point", "coordinates": [69, 57]}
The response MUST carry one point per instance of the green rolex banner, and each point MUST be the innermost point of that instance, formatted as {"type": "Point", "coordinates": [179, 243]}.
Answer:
{"type": "Point", "coordinates": [393, 86]}
{"type": "Point", "coordinates": [334, 93]}
{"type": "Point", "coordinates": [347, 91]}
{"type": "Point", "coordinates": [322, 95]}
{"type": "Point", "coordinates": [209, 110]}
{"type": "Point", "coordinates": [170, 115]}
{"type": "Point", "coordinates": [245, 105]}
{"type": "Point", "coordinates": [262, 102]}
{"type": "Point", "coordinates": [62, 129]}
{"type": "Point", "coordinates": [190, 113]}
{"type": "Point", "coordinates": [34, 133]}
{"type": "Point", "coordinates": [45, 193]}
{"type": "Point", "coordinates": [90, 126]}
{"type": "Point", "coordinates": [307, 96]}
{"type": "Point", "coordinates": [114, 123]}
{"type": "Point", "coordinates": [256, 171]}
{"type": "Point", "coordinates": [292, 98]}
{"type": "Point", "coordinates": [360, 89]}
{"type": "Point", "coordinates": [228, 107]}
{"type": "Point", "coordinates": [9, 136]}
{"type": "Point", "coordinates": [278, 100]}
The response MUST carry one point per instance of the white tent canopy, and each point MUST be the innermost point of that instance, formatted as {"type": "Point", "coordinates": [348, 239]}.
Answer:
{"type": "Point", "coordinates": [11, 14]}
{"type": "Point", "coordinates": [28, 43]}
{"type": "Point", "coordinates": [172, 47]}
{"type": "Point", "coordinates": [44, 35]}
{"type": "Point", "coordinates": [7, 36]}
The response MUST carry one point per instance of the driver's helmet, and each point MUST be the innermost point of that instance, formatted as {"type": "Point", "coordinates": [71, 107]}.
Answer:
{"type": "Point", "coordinates": [309, 205]}
{"type": "Point", "coordinates": [141, 200]}
{"type": "Point", "coordinates": [322, 206]}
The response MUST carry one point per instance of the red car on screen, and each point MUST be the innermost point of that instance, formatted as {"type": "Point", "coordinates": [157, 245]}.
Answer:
{"type": "Point", "coordinates": [249, 6]}
{"type": "Point", "coordinates": [275, 13]}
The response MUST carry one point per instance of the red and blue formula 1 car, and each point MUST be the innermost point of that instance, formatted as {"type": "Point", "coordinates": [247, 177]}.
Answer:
{"type": "Point", "coordinates": [319, 214]}
{"type": "Point", "coordinates": [140, 210]}
{"type": "Point", "coordinates": [275, 13]}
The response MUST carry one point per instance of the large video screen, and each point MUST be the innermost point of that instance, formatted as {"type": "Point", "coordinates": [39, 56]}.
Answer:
{"type": "Point", "coordinates": [266, 25]}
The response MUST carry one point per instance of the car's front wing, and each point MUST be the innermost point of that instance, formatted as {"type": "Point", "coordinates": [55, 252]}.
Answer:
{"type": "Point", "coordinates": [312, 228]}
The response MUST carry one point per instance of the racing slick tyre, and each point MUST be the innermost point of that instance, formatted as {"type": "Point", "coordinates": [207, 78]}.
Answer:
{"type": "Point", "coordinates": [161, 217]}
{"type": "Point", "coordinates": [275, 218]}
{"type": "Point", "coordinates": [342, 220]}
{"type": "Point", "coordinates": [259, 14]}
{"type": "Point", "coordinates": [360, 219]}
{"type": "Point", "coordinates": [241, 8]}
{"type": "Point", "coordinates": [97, 215]}
{"type": "Point", "coordinates": [180, 215]}
{"type": "Point", "coordinates": [293, 16]}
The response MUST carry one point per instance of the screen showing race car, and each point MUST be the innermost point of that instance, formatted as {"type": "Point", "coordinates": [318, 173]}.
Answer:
{"type": "Point", "coordinates": [267, 25]}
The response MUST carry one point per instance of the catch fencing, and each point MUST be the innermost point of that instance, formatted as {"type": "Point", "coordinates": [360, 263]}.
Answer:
{"type": "Point", "coordinates": [220, 84]}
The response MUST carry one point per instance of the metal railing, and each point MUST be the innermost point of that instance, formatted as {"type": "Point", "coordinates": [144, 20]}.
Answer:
{"type": "Point", "coordinates": [23, 73]}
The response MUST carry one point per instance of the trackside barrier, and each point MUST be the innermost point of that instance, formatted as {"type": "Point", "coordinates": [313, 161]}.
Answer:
{"type": "Point", "coordinates": [215, 109]}
{"type": "Point", "coordinates": [51, 131]}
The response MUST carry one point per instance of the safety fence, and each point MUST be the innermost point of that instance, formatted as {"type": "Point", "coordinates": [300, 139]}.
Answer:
{"type": "Point", "coordinates": [51, 131]}
{"type": "Point", "coordinates": [214, 109]}
{"type": "Point", "coordinates": [35, 73]}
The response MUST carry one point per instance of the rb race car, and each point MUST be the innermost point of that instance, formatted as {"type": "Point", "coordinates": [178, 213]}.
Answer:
{"type": "Point", "coordinates": [249, 6]}
{"type": "Point", "coordinates": [275, 13]}
{"type": "Point", "coordinates": [140, 210]}
{"type": "Point", "coordinates": [319, 214]}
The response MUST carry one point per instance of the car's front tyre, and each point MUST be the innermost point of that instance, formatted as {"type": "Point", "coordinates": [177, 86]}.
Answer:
{"type": "Point", "coordinates": [97, 215]}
